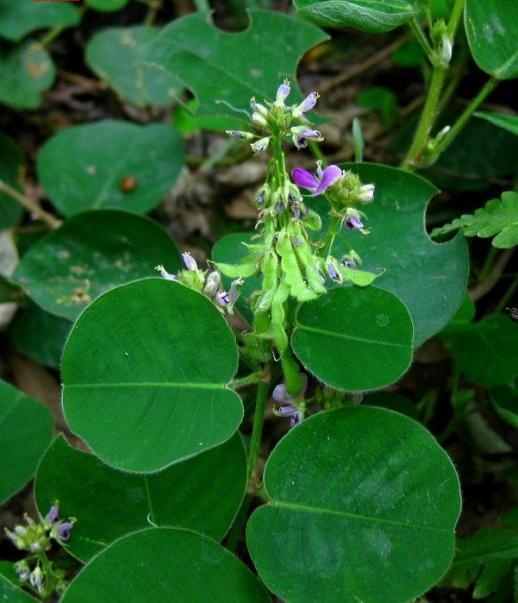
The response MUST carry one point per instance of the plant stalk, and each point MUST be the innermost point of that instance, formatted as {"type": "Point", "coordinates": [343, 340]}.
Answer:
{"type": "Point", "coordinates": [30, 206]}
{"type": "Point", "coordinates": [257, 426]}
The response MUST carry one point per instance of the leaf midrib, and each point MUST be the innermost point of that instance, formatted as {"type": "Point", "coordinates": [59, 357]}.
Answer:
{"type": "Point", "coordinates": [352, 337]}
{"type": "Point", "coordinates": [325, 511]}
{"type": "Point", "coordinates": [153, 384]}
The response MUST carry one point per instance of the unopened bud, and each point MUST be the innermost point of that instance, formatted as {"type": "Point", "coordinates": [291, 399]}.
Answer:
{"type": "Point", "coordinates": [241, 134]}
{"type": "Point", "coordinates": [260, 145]}
{"type": "Point", "coordinates": [259, 120]}
{"type": "Point", "coordinates": [212, 283]}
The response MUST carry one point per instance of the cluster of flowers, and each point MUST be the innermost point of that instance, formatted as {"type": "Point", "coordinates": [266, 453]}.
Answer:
{"type": "Point", "coordinates": [206, 282]}
{"type": "Point", "coordinates": [36, 538]}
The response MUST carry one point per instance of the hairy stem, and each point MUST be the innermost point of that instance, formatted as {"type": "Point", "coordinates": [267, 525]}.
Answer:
{"type": "Point", "coordinates": [257, 427]}
{"type": "Point", "coordinates": [30, 206]}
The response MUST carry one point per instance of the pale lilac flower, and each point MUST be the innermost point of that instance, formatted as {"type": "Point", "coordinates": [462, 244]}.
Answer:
{"type": "Point", "coordinates": [53, 514]}
{"type": "Point", "coordinates": [259, 119]}
{"type": "Point", "coordinates": [301, 135]}
{"type": "Point", "coordinates": [354, 222]}
{"type": "Point", "coordinates": [288, 405]}
{"type": "Point", "coordinates": [308, 103]}
{"type": "Point", "coordinates": [223, 298]}
{"type": "Point", "coordinates": [260, 145]}
{"type": "Point", "coordinates": [319, 183]}
{"type": "Point", "coordinates": [367, 193]}
{"type": "Point", "coordinates": [283, 91]}
{"type": "Point", "coordinates": [189, 261]}
{"type": "Point", "coordinates": [63, 532]}
{"type": "Point", "coordinates": [164, 274]}
{"type": "Point", "coordinates": [212, 283]}
{"type": "Point", "coordinates": [241, 134]}
{"type": "Point", "coordinates": [233, 292]}
{"type": "Point", "coordinates": [258, 108]}
{"type": "Point", "coordinates": [333, 273]}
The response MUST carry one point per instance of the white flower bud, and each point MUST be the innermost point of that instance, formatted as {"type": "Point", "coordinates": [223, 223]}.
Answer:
{"type": "Point", "coordinates": [212, 284]}
{"type": "Point", "coordinates": [259, 119]}
{"type": "Point", "coordinates": [260, 145]}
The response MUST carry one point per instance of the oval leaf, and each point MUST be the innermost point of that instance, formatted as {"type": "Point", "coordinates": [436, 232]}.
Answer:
{"type": "Point", "coordinates": [181, 566]}
{"type": "Point", "coordinates": [203, 493]}
{"type": "Point", "coordinates": [25, 432]}
{"type": "Point", "coordinates": [110, 164]}
{"type": "Point", "coordinates": [374, 16]}
{"type": "Point", "coordinates": [23, 16]}
{"type": "Point", "coordinates": [354, 339]}
{"type": "Point", "coordinates": [351, 493]}
{"type": "Point", "coordinates": [429, 278]}
{"type": "Point", "coordinates": [145, 371]}
{"type": "Point", "coordinates": [11, 169]}
{"type": "Point", "coordinates": [492, 30]}
{"type": "Point", "coordinates": [91, 253]}
{"type": "Point", "coordinates": [137, 83]}
{"type": "Point", "coordinates": [26, 71]}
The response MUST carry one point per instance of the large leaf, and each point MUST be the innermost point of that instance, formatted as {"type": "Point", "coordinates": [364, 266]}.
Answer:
{"type": "Point", "coordinates": [110, 163]}
{"type": "Point", "coordinates": [202, 494]}
{"type": "Point", "coordinates": [486, 351]}
{"type": "Point", "coordinates": [429, 278]}
{"type": "Point", "coordinates": [232, 67]}
{"type": "Point", "coordinates": [354, 339]}
{"type": "Point", "coordinates": [26, 71]}
{"type": "Point", "coordinates": [11, 167]}
{"type": "Point", "coordinates": [39, 335]}
{"type": "Point", "coordinates": [25, 432]}
{"type": "Point", "coordinates": [351, 492]}
{"type": "Point", "coordinates": [164, 564]}
{"type": "Point", "coordinates": [502, 120]}
{"type": "Point", "coordinates": [498, 219]}
{"type": "Point", "coordinates": [92, 252]}
{"type": "Point", "coordinates": [492, 29]}
{"type": "Point", "coordinates": [374, 16]}
{"type": "Point", "coordinates": [136, 82]}
{"type": "Point", "coordinates": [145, 372]}
{"type": "Point", "coordinates": [20, 17]}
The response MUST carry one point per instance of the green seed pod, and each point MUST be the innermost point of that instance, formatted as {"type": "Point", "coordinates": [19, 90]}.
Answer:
{"type": "Point", "coordinates": [279, 316]}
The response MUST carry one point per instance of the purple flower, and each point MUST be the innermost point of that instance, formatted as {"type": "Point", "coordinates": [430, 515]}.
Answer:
{"type": "Point", "coordinates": [189, 261]}
{"type": "Point", "coordinates": [309, 102]}
{"type": "Point", "coordinates": [64, 530]}
{"type": "Point", "coordinates": [301, 135]}
{"type": "Point", "coordinates": [223, 298]}
{"type": "Point", "coordinates": [291, 411]}
{"type": "Point", "coordinates": [333, 273]}
{"type": "Point", "coordinates": [354, 223]}
{"type": "Point", "coordinates": [283, 92]}
{"type": "Point", "coordinates": [319, 183]}
{"type": "Point", "coordinates": [367, 193]}
{"type": "Point", "coordinates": [53, 514]}
{"type": "Point", "coordinates": [260, 145]}
{"type": "Point", "coordinates": [288, 405]}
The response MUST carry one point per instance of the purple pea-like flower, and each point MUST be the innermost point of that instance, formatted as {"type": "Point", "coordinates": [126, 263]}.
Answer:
{"type": "Point", "coordinates": [309, 102]}
{"type": "Point", "coordinates": [302, 135]}
{"type": "Point", "coordinates": [64, 530]}
{"type": "Point", "coordinates": [291, 411]}
{"type": "Point", "coordinates": [53, 514]}
{"type": "Point", "coordinates": [283, 91]}
{"type": "Point", "coordinates": [333, 273]}
{"type": "Point", "coordinates": [189, 261]}
{"type": "Point", "coordinates": [319, 183]}
{"type": "Point", "coordinates": [223, 298]}
{"type": "Point", "coordinates": [354, 223]}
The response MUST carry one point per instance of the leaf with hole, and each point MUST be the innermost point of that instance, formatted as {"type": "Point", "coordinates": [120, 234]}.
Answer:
{"type": "Point", "coordinates": [354, 339]}
{"type": "Point", "coordinates": [110, 164]}
{"type": "Point", "coordinates": [350, 493]}
{"type": "Point", "coordinates": [89, 254]}
{"type": "Point", "coordinates": [140, 84]}
{"type": "Point", "coordinates": [25, 431]}
{"type": "Point", "coordinates": [202, 494]}
{"type": "Point", "coordinates": [180, 565]}
{"type": "Point", "coordinates": [224, 70]}
{"type": "Point", "coordinates": [145, 373]}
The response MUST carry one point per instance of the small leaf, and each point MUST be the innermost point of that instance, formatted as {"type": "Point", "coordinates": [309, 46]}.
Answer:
{"type": "Point", "coordinates": [25, 432]}
{"type": "Point", "coordinates": [374, 16]}
{"type": "Point", "coordinates": [222, 68]}
{"type": "Point", "coordinates": [492, 30]}
{"type": "Point", "coordinates": [354, 339]}
{"type": "Point", "coordinates": [24, 16]}
{"type": "Point", "coordinates": [359, 277]}
{"type": "Point", "coordinates": [505, 401]}
{"type": "Point", "coordinates": [498, 217]}
{"type": "Point", "coordinates": [144, 376]}
{"type": "Point", "coordinates": [165, 564]}
{"type": "Point", "coordinates": [39, 335]}
{"type": "Point", "coordinates": [351, 492]}
{"type": "Point", "coordinates": [202, 494]}
{"type": "Point", "coordinates": [11, 167]}
{"type": "Point", "coordinates": [89, 254]}
{"type": "Point", "coordinates": [135, 82]}
{"type": "Point", "coordinates": [110, 164]}
{"type": "Point", "coordinates": [502, 120]}
{"type": "Point", "coordinates": [237, 270]}
{"type": "Point", "coordinates": [26, 71]}
{"type": "Point", "coordinates": [486, 351]}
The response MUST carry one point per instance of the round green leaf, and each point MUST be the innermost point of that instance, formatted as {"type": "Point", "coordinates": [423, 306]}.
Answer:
{"type": "Point", "coordinates": [505, 401]}
{"type": "Point", "coordinates": [486, 351]}
{"type": "Point", "coordinates": [363, 506]}
{"type": "Point", "coordinates": [202, 494]}
{"type": "Point", "coordinates": [26, 71]}
{"type": "Point", "coordinates": [145, 371]}
{"type": "Point", "coordinates": [106, 6]}
{"type": "Point", "coordinates": [89, 254]}
{"type": "Point", "coordinates": [20, 17]}
{"type": "Point", "coordinates": [354, 339]}
{"type": "Point", "coordinates": [374, 16]}
{"type": "Point", "coordinates": [492, 30]}
{"type": "Point", "coordinates": [165, 564]}
{"type": "Point", "coordinates": [137, 82]}
{"type": "Point", "coordinates": [39, 335]}
{"type": "Point", "coordinates": [110, 163]}
{"type": "Point", "coordinates": [429, 278]}
{"type": "Point", "coordinates": [25, 432]}
{"type": "Point", "coordinates": [11, 166]}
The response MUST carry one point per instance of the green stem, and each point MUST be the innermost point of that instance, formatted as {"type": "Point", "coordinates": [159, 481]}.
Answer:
{"type": "Point", "coordinates": [30, 206]}
{"type": "Point", "coordinates": [455, 17]}
{"type": "Point", "coordinates": [423, 42]}
{"type": "Point", "coordinates": [244, 381]}
{"type": "Point", "coordinates": [257, 427]}
{"type": "Point", "coordinates": [485, 91]}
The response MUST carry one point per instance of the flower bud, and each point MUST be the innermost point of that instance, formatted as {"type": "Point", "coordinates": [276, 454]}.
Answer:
{"type": "Point", "coordinates": [367, 193]}
{"type": "Point", "coordinates": [283, 92]}
{"type": "Point", "coordinates": [258, 108]}
{"type": "Point", "coordinates": [259, 120]}
{"type": "Point", "coordinates": [306, 105]}
{"type": "Point", "coordinates": [241, 134]}
{"type": "Point", "coordinates": [36, 579]}
{"type": "Point", "coordinates": [164, 274]}
{"type": "Point", "coordinates": [260, 145]}
{"type": "Point", "coordinates": [446, 50]}
{"type": "Point", "coordinates": [189, 261]}
{"type": "Point", "coordinates": [212, 283]}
